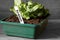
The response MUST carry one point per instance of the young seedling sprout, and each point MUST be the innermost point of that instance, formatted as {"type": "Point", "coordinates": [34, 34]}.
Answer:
{"type": "Point", "coordinates": [28, 10]}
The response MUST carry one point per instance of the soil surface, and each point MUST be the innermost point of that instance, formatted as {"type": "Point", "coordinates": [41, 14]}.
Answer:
{"type": "Point", "coordinates": [30, 21]}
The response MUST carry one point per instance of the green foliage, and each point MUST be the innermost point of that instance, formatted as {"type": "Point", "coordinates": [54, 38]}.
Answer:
{"type": "Point", "coordinates": [30, 9]}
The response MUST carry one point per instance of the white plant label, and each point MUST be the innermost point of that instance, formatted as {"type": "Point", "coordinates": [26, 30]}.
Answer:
{"type": "Point", "coordinates": [19, 15]}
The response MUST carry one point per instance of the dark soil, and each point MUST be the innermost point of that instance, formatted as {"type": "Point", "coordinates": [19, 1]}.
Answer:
{"type": "Point", "coordinates": [30, 21]}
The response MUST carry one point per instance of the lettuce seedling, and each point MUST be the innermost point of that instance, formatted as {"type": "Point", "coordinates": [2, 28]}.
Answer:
{"type": "Point", "coordinates": [30, 9]}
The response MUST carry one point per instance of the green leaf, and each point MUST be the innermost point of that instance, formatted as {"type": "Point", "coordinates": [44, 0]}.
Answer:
{"type": "Point", "coordinates": [26, 17]}
{"type": "Point", "coordinates": [11, 9]}
{"type": "Point", "coordinates": [30, 3]}
{"type": "Point", "coordinates": [35, 8]}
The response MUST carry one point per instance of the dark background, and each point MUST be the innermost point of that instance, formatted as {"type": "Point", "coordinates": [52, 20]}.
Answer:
{"type": "Point", "coordinates": [53, 28]}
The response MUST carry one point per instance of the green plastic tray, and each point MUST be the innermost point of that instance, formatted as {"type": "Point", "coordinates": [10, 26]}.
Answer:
{"type": "Point", "coordinates": [23, 30]}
